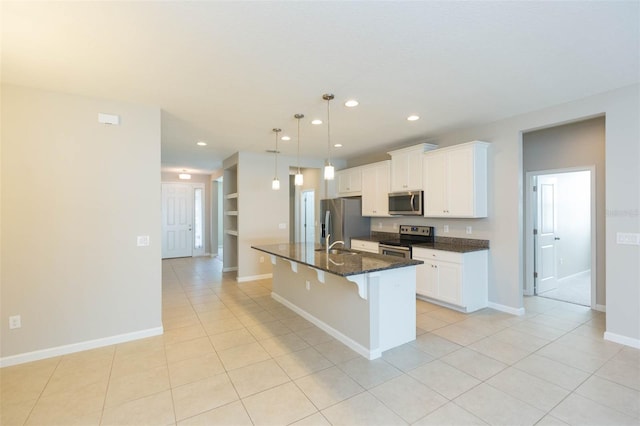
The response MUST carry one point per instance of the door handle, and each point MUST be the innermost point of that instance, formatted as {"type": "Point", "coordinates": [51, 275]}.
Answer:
{"type": "Point", "coordinates": [557, 238]}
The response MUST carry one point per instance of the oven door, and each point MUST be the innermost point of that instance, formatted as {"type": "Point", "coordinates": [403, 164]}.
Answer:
{"type": "Point", "coordinates": [397, 251]}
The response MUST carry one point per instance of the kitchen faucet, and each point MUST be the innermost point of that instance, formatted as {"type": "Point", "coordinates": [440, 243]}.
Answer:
{"type": "Point", "coordinates": [330, 246]}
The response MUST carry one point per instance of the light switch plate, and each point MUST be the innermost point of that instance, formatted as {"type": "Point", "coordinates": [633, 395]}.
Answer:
{"type": "Point", "coordinates": [143, 240]}
{"type": "Point", "coordinates": [282, 226]}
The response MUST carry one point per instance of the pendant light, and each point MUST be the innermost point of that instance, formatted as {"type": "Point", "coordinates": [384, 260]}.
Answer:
{"type": "Point", "coordinates": [299, 179]}
{"type": "Point", "coordinates": [275, 185]}
{"type": "Point", "coordinates": [329, 170]}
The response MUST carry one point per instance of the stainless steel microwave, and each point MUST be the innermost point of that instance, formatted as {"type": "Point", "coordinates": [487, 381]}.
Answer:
{"type": "Point", "coordinates": [407, 203]}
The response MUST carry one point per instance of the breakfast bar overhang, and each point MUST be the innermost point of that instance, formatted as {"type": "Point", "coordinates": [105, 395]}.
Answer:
{"type": "Point", "coordinates": [366, 301]}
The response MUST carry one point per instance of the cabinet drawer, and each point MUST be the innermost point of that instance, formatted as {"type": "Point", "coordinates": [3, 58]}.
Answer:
{"type": "Point", "coordinates": [446, 256]}
{"type": "Point", "coordinates": [368, 246]}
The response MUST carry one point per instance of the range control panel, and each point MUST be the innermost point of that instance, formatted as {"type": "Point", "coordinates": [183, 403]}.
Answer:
{"type": "Point", "coordinates": [422, 231]}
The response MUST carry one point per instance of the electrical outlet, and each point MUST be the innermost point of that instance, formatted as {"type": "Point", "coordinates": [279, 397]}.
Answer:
{"type": "Point", "coordinates": [379, 225]}
{"type": "Point", "coordinates": [446, 229]}
{"type": "Point", "coordinates": [308, 285]}
{"type": "Point", "coordinates": [261, 259]}
{"type": "Point", "coordinates": [15, 322]}
{"type": "Point", "coordinates": [628, 238]}
{"type": "Point", "coordinates": [395, 226]}
{"type": "Point", "coordinates": [143, 240]}
{"type": "Point", "coordinates": [469, 230]}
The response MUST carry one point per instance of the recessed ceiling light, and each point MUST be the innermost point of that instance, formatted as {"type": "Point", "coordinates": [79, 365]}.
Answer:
{"type": "Point", "coordinates": [413, 117]}
{"type": "Point", "coordinates": [351, 103]}
{"type": "Point", "coordinates": [200, 143]}
{"type": "Point", "coordinates": [316, 121]}
{"type": "Point", "coordinates": [338, 145]}
{"type": "Point", "coordinates": [286, 138]}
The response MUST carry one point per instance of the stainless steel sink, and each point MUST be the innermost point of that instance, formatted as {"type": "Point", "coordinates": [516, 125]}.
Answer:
{"type": "Point", "coordinates": [338, 251]}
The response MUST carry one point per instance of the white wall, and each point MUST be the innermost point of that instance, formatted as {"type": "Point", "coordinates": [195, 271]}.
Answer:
{"type": "Point", "coordinates": [75, 194]}
{"type": "Point", "coordinates": [506, 218]}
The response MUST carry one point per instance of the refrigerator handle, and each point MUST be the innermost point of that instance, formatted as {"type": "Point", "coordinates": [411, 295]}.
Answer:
{"type": "Point", "coordinates": [327, 223]}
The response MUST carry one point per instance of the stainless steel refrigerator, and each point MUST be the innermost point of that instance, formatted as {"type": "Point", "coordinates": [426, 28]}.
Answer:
{"type": "Point", "coordinates": [342, 218]}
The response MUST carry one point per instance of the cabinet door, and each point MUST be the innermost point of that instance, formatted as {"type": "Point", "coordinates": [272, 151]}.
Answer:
{"type": "Point", "coordinates": [399, 165]}
{"type": "Point", "coordinates": [449, 282]}
{"type": "Point", "coordinates": [375, 190]}
{"type": "Point", "coordinates": [460, 175]}
{"type": "Point", "coordinates": [369, 191]}
{"type": "Point", "coordinates": [426, 278]}
{"type": "Point", "coordinates": [349, 181]}
{"type": "Point", "coordinates": [422, 272]}
{"type": "Point", "coordinates": [344, 184]}
{"type": "Point", "coordinates": [382, 190]}
{"type": "Point", "coordinates": [435, 184]}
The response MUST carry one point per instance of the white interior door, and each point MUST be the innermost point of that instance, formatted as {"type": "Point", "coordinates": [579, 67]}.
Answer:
{"type": "Point", "coordinates": [177, 220]}
{"type": "Point", "coordinates": [545, 259]}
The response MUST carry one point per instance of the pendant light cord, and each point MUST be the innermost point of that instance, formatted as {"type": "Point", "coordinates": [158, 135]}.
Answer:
{"type": "Point", "coordinates": [328, 133]}
{"type": "Point", "coordinates": [276, 170]}
{"type": "Point", "coordinates": [298, 145]}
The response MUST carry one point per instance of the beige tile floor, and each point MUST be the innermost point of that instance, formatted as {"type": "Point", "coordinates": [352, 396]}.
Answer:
{"type": "Point", "coordinates": [231, 355]}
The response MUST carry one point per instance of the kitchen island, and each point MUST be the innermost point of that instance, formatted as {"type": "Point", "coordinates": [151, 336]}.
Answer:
{"type": "Point", "coordinates": [367, 301]}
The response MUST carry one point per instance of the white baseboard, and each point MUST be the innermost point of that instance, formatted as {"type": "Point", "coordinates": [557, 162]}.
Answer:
{"type": "Point", "coordinates": [507, 309]}
{"type": "Point", "coordinates": [600, 308]}
{"type": "Point", "coordinates": [253, 278]}
{"type": "Point", "coordinates": [77, 347]}
{"type": "Point", "coordinates": [357, 347]}
{"type": "Point", "coordinates": [623, 340]}
{"type": "Point", "coordinates": [230, 269]}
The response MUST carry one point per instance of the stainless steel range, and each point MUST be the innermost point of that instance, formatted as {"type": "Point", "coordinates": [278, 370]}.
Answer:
{"type": "Point", "coordinates": [408, 235]}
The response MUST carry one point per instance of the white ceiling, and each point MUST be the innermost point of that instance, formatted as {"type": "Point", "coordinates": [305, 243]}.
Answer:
{"type": "Point", "coordinates": [228, 72]}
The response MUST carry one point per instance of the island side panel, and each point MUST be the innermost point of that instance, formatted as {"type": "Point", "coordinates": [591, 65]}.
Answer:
{"type": "Point", "coordinates": [334, 302]}
{"type": "Point", "coordinates": [397, 307]}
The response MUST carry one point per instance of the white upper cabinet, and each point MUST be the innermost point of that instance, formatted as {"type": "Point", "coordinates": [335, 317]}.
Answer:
{"type": "Point", "coordinates": [455, 181]}
{"type": "Point", "coordinates": [375, 189]}
{"type": "Point", "coordinates": [349, 182]}
{"type": "Point", "coordinates": [406, 167]}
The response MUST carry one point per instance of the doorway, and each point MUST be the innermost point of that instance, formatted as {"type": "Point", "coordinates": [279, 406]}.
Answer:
{"type": "Point", "coordinates": [183, 209]}
{"type": "Point", "coordinates": [562, 231]}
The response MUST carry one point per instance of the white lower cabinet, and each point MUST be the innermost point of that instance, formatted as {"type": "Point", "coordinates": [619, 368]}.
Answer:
{"type": "Point", "coordinates": [362, 245]}
{"type": "Point", "coordinates": [457, 280]}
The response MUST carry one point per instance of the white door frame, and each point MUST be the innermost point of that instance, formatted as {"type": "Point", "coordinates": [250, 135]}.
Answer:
{"type": "Point", "coordinates": [530, 224]}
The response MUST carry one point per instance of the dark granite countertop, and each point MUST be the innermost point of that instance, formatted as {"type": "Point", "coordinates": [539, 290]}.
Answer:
{"type": "Point", "coordinates": [457, 245]}
{"type": "Point", "coordinates": [458, 248]}
{"type": "Point", "coordinates": [338, 264]}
